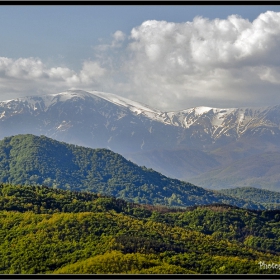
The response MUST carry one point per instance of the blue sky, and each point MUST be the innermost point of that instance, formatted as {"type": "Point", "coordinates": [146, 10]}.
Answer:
{"type": "Point", "coordinates": [170, 57]}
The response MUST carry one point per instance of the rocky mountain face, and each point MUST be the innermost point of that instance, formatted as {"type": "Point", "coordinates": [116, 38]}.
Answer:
{"type": "Point", "coordinates": [87, 119]}
{"type": "Point", "coordinates": [182, 144]}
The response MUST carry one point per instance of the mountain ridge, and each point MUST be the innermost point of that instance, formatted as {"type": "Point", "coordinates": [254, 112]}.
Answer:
{"type": "Point", "coordinates": [255, 194]}
{"type": "Point", "coordinates": [34, 160]}
{"type": "Point", "coordinates": [181, 118]}
{"type": "Point", "coordinates": [138, 132]}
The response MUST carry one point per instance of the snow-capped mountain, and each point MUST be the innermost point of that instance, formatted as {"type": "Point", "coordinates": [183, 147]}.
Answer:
{"type": "Point", "coordinates": [92, 119]}
{"type": "Point", "coordinates": [107, 120]}
{"type": "Point", "coordinates": [196, 139]}
{"type": "Point", "coordinates": [216, 122]}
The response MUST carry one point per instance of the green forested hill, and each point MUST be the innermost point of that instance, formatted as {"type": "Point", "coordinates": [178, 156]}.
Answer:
{"type": "Point", "coordinates": [267, 198]}
{"type": "Point", "coordinates": [34, 160]}
{"type": "Point", "coordinates": [45, 230]}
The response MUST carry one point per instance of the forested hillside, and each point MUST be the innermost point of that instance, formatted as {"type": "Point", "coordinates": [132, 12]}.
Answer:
{"type": "Point", "coordinates": [34, 160]}
{"type": "Point", "coordinates": [267, 198]}
{"type": "Point", "coordinates": [45, 230]}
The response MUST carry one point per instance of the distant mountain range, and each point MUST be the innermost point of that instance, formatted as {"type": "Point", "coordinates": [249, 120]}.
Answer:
{"type": "Point", "coordinates": [202, 145]}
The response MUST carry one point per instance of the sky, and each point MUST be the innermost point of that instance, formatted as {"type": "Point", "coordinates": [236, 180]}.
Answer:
{"type": "Point", "coordinates": [170, 57]}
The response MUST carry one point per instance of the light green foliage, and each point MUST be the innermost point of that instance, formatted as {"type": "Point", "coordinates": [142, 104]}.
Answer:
{"type": "Point", "coordinates": [45, 230]}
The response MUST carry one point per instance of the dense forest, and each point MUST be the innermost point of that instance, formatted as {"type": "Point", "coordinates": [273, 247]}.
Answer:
{"type": "Point", "coordinates": [45, 230]}
{"type": "Point", "coordinates": [269, 199]}
{"type": "Point", "coordinates": [34, 160]}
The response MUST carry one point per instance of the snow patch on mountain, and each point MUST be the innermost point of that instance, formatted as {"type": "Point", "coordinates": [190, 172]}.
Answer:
{"type": "Point", "coordinates": [201, 110]}
{"type": "Point", "coordinates": [118, 100]}
{"type": "Point", "coordinates": [64, 126]}
{"type": "Point", "coordinates": [206, 121]}
{"type": "Point", "coordinates": [136, 107]}
{"type": "Point", "coordinates": [220, 115]}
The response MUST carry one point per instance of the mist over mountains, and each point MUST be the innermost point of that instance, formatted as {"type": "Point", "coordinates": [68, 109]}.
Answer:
{"type": "Point", "coordinates": [202, 145]}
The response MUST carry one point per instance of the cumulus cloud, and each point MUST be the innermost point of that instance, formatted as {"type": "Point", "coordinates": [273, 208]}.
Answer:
{"type": "Point", "coordinates": [91, 72]}
{"type": "Point", "coordinates": [218, 61]}
{"type": "Point", "coordinates": [117, 41]}
{"type": "Point", "coordinates": [21, 68]}
{"type": "Point", "coordinates": [221, 63]}
{"type": "Point", "coordinates": [118, 36]}
{"type": "Point", "coordinates": [30, 76]}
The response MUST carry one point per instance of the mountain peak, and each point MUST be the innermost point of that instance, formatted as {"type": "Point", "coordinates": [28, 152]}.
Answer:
{"type": "Point", "coordinates": [107, 116]}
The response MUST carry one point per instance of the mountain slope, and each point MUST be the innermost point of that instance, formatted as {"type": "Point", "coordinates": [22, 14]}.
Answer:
{"type": "Point", "coordinates": [86, 119]}
{"type": "Point", "coordinates": [178, 163]}
{"type": "Point", "coordinates": [265, 197]}
{"type": "Point", "coordinates": [260, 171]}
{"type": "Point", "coordinates": [29, 159]}
{"type": "Point", "coordinates": [240, 163]}
{"type": "Point", "coordinates": [105, 120]}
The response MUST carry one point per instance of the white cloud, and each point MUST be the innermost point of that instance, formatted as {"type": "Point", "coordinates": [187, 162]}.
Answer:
{"type": "Point", "coordinates": [119, 36]}
{"type": "Point", "coordinates": [216, 61]}
{"type": "Point", "coordinates": [116, 42]}
{"type": "Point", "coordinates": [222, 62]}
{"type": "Point", "coordinates": [91, 72]}
{"type": "Point", "coordinates": [60, 73]}
{"type": "Point", "coordinates": [21, 68]}
{"type": "Point", "coordinates": [30, 76]}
